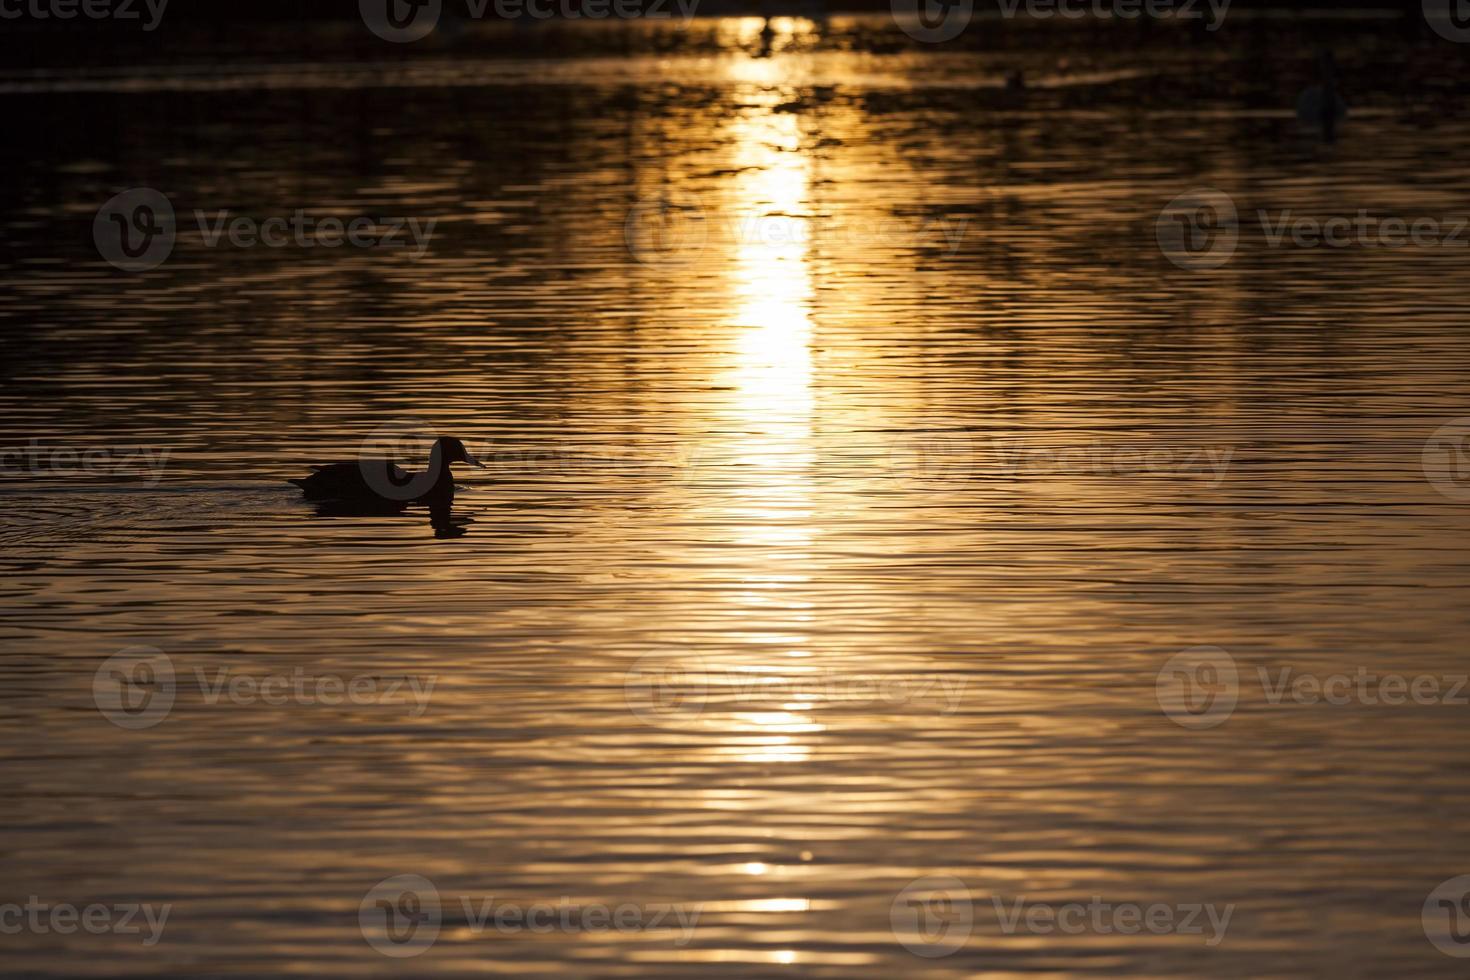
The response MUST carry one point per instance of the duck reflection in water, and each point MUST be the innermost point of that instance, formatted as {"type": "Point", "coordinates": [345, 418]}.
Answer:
{"type": "Point", "coordinates": [373, 486]}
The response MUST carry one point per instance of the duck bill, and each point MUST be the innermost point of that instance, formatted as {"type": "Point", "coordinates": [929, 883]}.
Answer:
{"type": "Point", "coordinates": [470, 458]}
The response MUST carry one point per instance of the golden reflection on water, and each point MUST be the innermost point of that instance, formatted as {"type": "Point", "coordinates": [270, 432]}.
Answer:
{"type": "Point", "coordinates": [768, 417]}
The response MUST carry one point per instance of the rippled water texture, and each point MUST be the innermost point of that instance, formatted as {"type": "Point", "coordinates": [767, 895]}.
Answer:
{"type": "Point", "coordinates": [856, 461]}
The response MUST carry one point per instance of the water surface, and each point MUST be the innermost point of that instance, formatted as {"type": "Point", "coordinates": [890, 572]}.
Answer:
{"type": "Point", "coordinates": [856, 462]}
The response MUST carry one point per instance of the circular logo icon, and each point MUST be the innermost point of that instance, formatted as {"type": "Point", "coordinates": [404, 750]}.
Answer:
{"type": "Point", "coordinates": [379, 455]}
{"type": "Point", "coordinates": [135, 230]}
{"type": "Point", "coordinates": [1446, 459]}
{"type": "Point", "coordinates": [661, 690]}
{"type": "Point", "coordinates": [1450, 19]}
{"type": "Point", "coordinates": [400, 916]}
{"type": "Point", "coordinates": [1446, 917]}
{"type": "Point", "coordinates": [932, 21]}
{"type": "Point", "coordinates": [933, 916]}
{"type": "Point", "coordinates": [134, 688]}
{"type": "Point", "coordinates": [401, 21]}
{"type": "Point", "coordinates": [932, 457]}
{"type": "Point", "coordinates": [1199, 229]}
{"type": "Point", "coordinates": [669, 230]}
{"type": "Point", "coordinates": [1198, 687]}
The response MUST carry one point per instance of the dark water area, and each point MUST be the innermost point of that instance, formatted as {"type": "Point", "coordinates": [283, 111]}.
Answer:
{"type": "Point", "coordinates": [860, 451]}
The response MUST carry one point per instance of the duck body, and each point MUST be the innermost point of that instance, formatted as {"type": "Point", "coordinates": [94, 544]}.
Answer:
{"type": "Point", "coordinates": [381, 482]}
{"type": "Point", "coordinates": [349, 480]}
{"type": "Point", "coordinates": [1321, 106]}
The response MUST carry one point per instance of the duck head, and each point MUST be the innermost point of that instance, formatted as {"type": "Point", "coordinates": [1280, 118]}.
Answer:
{"type": "Point", "coordinates": [448, 449]}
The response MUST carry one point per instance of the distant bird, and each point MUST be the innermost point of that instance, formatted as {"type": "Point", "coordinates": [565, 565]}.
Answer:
{"type": "Point", "coordinates": [768, 38]}
{"type": "Point", "coordinates": [1320, 106]}
{"type": "Point", "coordinates": [381, 483]}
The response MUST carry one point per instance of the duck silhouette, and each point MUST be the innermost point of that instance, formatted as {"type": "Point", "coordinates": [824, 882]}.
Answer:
{"type": "Point", "coordinates": [1321, 107]}
{"type": "Point", "coordinates": [380, 484]}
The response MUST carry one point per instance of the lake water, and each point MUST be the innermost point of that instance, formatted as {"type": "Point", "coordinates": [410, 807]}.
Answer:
{"type": "Point", "coordinates": [857, 461]}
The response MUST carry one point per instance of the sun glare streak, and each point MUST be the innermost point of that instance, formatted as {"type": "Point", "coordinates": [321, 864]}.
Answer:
{"type": "Point", "coordinates": [767, 416]}
{"type": "Point", "coordinates": [772, 370]}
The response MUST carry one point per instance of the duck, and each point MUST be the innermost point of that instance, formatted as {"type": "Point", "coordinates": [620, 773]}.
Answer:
{"type": "Point", "coordinates": [380, 482]}
{"type": "Point", "coordinates": [1321, 107]}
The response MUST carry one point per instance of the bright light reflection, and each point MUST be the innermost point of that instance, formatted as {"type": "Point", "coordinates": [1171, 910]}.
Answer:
{"type": "Point", "coordinates": [769, 411]}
